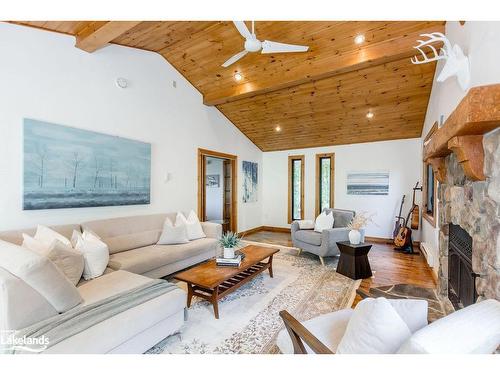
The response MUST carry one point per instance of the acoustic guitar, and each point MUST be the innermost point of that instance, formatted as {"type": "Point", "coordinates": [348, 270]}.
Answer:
{"type": "Point", "coordinates": [403, 239]}
{"type": "Point", "coordinates": [399, 219]}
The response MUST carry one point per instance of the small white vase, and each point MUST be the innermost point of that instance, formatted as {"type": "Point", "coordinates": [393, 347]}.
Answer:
{"type": "Point", "coordinates": [354, 237]}
{"type": "Point", "coordinates": [228, 252]}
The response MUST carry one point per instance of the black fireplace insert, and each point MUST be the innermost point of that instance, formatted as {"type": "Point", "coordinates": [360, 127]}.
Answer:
{"type": "Point", "coordinates": [461, 278]}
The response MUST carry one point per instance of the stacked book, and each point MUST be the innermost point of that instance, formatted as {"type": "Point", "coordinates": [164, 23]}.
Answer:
{"type": "Point", "coordinates": [230, 262]}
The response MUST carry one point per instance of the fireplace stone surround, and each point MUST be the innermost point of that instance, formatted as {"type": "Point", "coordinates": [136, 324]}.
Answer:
{"type": "Point", "coordinates": [474, 206]}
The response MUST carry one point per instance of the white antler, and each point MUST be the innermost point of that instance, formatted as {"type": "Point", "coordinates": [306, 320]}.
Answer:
{"type": "Point", "coordinates": [433, 38]}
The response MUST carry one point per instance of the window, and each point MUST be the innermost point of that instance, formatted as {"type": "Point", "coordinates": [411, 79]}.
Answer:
{"type": "Point", "coordinates": [325, 164]}
{"type": "Point", "coordinates": [429, 188]}
{"type": "Point", "coordinates": [295, 188]}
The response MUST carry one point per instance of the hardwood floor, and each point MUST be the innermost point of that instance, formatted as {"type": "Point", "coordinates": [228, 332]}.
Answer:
{"type": "Point", "coordinates": [388, 266]}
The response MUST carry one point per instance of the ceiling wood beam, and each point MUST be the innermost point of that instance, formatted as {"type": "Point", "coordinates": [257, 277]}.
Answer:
{"type": "Point", "coordinates": [97, 34]}
{"type": "Point", "coordinates": [372, 55]}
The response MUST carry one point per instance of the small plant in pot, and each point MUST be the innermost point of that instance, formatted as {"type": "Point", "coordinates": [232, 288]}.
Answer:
{"type": "Point", "coordinates": [229, 241]}
{"type": "Point", "coordinates": [357, 227]}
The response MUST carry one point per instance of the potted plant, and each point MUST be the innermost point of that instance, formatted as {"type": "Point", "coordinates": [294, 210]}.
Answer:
{"type": "Point", "coordinates": [229, 241]}
{"type": "Point", "coordinates": [357, 225]}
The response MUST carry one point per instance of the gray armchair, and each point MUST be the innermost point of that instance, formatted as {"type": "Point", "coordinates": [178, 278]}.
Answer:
{"type": "Point", "coordinates": [323, 244]}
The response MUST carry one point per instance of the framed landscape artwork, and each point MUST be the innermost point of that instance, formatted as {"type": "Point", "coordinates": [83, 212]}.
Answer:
{"type": "Point", "coordinates": [368, 183]}
{"type": "Point", "coordinates": [213, 180]}
{"type": "Point", "coordinates": [66, 167]}
{"type": "Point", "coordinates": [250, 181]}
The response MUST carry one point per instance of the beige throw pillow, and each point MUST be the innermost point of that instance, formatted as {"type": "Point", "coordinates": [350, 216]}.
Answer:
{"type": "Point", "coordinates": [69, 261]}
{"type": "Point", "coordinates": [41, 274]}
{"type": "Point", "coordinates": [173, 235]}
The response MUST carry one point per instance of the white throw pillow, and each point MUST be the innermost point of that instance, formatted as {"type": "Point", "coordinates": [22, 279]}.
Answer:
{"type": "Point", "coordinates": [374, 328]}
{"type": "Point", "coordinates": [35, 245]}
{"type": "Point", "coordinates": [67, 260]}
{"type": "Point", "coordinates": [172, 235]}
{"type": "Point", "coordinates": [323, 221]}
{"type": "Point", "coordinates": [192, 223]}
{"type": "Point", "coordinates": [306, 224]}
{"type": "Point", "coordinates": [47, 235]}
{"type": "Point", "coordinates": [95, 253]}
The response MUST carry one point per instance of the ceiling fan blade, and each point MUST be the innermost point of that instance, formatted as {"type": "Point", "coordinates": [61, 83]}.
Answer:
{"type": "Point", "coordinates": [276, 47]}
{"type": "Point", "coordinates": [243, 29]}
{"type": "Point", "coordinates": [235, 58]}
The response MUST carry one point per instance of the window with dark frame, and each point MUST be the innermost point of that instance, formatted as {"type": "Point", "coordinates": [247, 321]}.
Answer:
{"type": "Point", "coordinates": [295, 188]}
{"type": "Point", "coordinates": [324, 181]}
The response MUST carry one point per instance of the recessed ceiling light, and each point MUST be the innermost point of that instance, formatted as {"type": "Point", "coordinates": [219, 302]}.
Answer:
{"type": "Point", "coordinates": [360, 38]}
{"type": "Point", "coordinates": [369, 115]}
{"type": "Point", "coordinates": [238, 76]}
{"type": "Point", "coordinates": [277, 128]}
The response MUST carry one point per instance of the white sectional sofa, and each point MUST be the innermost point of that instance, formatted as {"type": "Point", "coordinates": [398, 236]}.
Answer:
{"type": "Point", "coordinates": [134, 260]}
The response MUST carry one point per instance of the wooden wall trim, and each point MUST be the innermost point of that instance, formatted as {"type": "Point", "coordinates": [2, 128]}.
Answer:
{"type": "Point", "coordinates": [332, 181]}
{"type": "Point", "coordinates": [291, 158]}
{"type": "Point", "coordinates": [234, 184]}
{"type": "Point", "coordinates": [462, 133]}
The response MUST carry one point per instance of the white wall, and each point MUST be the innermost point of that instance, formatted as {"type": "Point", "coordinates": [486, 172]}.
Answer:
{"type": "Point", "coordinates": [481, 42]}
{"type": "Point", "coordinates": [43, 76]}
{"type": "Point", "coordinates": [215, 195]}
{"type": "Point", "coordinates": [401, 158]}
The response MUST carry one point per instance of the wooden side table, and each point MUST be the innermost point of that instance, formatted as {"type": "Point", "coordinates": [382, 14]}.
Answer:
{"type": "Point", "coordinates": [353, 260]}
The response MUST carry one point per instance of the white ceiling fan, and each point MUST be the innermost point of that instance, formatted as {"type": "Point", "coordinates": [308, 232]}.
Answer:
{"type": "Point", "coordinates": [252, 44]}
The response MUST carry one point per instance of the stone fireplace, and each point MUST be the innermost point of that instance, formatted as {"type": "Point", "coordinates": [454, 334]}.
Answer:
{"type": "Point", "coordinates": [474, 207]}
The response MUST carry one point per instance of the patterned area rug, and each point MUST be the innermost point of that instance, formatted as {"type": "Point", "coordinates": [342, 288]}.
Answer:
{"type": "Point", "coordinates": [437, 307]}
{"type": "Point", "coordinates": [249, 320]}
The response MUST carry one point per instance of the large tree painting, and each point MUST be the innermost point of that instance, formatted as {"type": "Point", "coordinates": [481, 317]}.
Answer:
{"type": "Point", "coordinates": [67, 167]}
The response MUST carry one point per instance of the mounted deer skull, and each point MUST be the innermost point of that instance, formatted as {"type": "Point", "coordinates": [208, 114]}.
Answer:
{"type": "Point", "coordinates": [456, 62]}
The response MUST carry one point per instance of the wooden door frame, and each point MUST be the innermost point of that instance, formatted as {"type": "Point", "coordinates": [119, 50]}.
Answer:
{"type": "Point", "coordinates": [332, 180]}
{"type": "Point", "coordinates": [290, 187]}
{"type": "Point", "coordinates": [202, 153]}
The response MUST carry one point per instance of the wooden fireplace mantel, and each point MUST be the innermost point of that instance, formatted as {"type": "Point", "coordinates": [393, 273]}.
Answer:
{"type": "Point", "coordinates": [462, 133]}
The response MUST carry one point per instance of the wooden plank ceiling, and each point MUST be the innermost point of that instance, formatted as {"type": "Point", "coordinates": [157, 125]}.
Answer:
{"type": "Point", "coordinates": [317, 98]}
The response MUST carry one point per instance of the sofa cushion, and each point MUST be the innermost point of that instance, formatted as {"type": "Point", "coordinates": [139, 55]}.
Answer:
{"type": "Point", "coordinates": [126, 233]}
{"type": "Point", "coordinates": [328, 328]}
{"type": "Point", "coordinates": [15, 312]}
{"type": "Point", "coordinates": [148, 258]}
{"type": "Point", "coordinates": [472, 330]}
{"type": "Point", "coordinates": [308, 236]}
{"type": "Point", "coordinates": [374, 328]}
{"type": "Point", "coordinates": [41, 274]}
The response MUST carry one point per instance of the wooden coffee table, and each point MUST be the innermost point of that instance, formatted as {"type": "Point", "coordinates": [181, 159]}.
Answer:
{"type": "Point", "coordinates": [212, 283]}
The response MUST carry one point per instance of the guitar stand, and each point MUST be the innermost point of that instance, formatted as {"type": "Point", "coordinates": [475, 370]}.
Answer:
{"type": "Point", "coordinates": [407, 249]}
